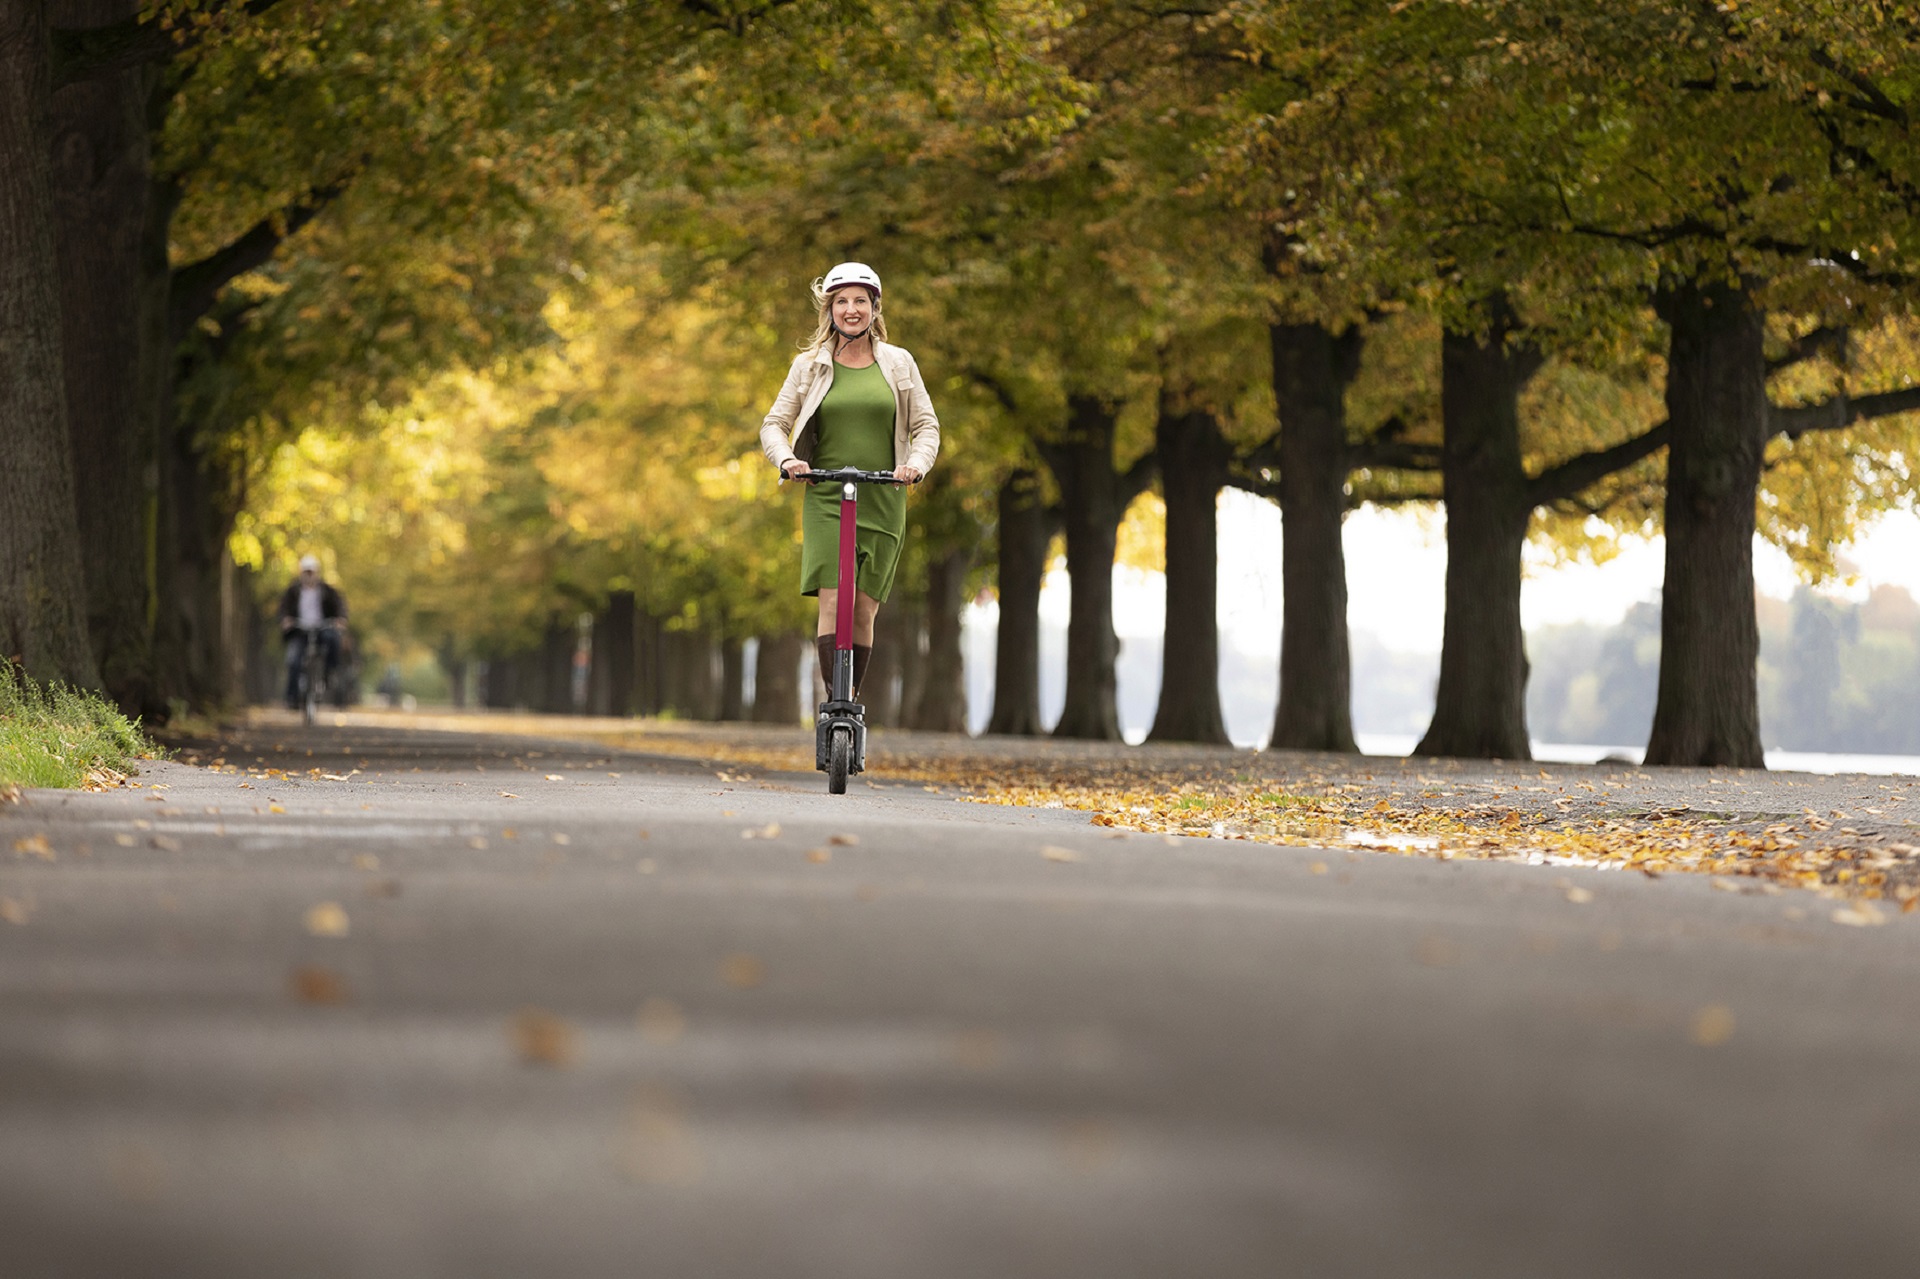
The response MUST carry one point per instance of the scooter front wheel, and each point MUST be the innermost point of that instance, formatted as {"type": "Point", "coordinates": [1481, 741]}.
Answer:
{"type": "Point", "coordinates": [839, 760]}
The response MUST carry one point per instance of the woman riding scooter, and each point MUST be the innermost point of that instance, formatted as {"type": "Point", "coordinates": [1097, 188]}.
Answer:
{"type": "Point", "coordinates": [851, 399]}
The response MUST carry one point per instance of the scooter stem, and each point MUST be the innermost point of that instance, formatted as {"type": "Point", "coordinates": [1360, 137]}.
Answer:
{"type": "Point", "coordinates": [843, 612]}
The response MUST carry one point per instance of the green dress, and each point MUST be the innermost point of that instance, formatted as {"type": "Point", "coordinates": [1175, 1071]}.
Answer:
{"type": "Point", "coordinates": [856, 429]}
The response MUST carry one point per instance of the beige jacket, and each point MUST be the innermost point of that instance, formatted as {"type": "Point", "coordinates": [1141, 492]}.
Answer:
{"type": "Point", "coordinates": [791, 426]}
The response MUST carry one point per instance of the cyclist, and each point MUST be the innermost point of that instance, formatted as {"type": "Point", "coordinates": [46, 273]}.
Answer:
{"type": "Point", "coordinates": [310, 602]}
{"type": "Point", "coordinates": [851, 398]}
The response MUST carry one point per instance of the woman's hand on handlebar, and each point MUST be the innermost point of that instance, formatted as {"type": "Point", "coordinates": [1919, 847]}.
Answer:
{"type": "Point", "coordinates": [793, 468]}
{"type": "Point", "coordinates": [907, 474]}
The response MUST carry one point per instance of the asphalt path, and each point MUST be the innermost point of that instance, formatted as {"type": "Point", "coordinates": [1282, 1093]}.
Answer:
{"type": "Point", "coordinates": [441, 1005]}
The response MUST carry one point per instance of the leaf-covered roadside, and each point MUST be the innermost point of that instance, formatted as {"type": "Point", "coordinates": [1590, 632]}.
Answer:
{"type": "Point", "coordinates": [52, 735]}
{"type": "Point", "coordinates": [1623, 819]}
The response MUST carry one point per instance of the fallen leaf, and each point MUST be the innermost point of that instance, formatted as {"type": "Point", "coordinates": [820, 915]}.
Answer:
{"type": "Point", "coordinates": [327, 919]}
{"type": "Point", "coordinates": [166, 843]}
{"type": "Point", "coordinates": [125, 840]}
{"type": "Point", "coordinates": [366, 861]}
{"type": "Point", "coordinates": [843, 841]}
{"type": "Point", "coordinates": [555, 777]}
{"type": "Point", "coordinates": [312, 984]}
{"type": "Point", "coordinates": [1579, 896]}
{"type": "Point", "coordinates": [770, 831]}
{"type": "Point", "coordinates": [1317, 868]}
{"type": "Point", "coordinates": [34, 846]}
{"type": "Point", "coordinates": [477, 841]}
{"type": "Point", "coordinates": [1054, 853]}
{"type": "Point", "coordinates": [541, 1038]}
{"type": "Point", "coordinates": [1712, 1026]}
{"type": "Point", "coordinates": [14, 912]}
{"type": "Point", "coordinates": [661, 1020]}
{"type": "Point", "coordinates": [275, 806]}
{"type": "Point", "coordinates": [507, 794]}
{"type": "Point", "coordinates": [819, 856]}
{"type": "Point", "coordinates": [742, 971]}
{"type": "Point", "coordinates": [659, 1148]}
{"type": "Point", "coordinates": [562, 838]}
{"type": "Point", "coordinates": [1859, 915]}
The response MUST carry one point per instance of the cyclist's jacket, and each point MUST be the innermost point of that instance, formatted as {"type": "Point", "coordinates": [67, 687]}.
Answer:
{"type": "Point", "coordinates": [332, 603]}
{"type": "Point", "coordinates": [792, 423]}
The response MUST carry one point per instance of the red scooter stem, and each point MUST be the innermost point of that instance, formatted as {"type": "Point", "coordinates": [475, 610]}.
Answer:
{"type": "Point", "coordinates": [843, 612]}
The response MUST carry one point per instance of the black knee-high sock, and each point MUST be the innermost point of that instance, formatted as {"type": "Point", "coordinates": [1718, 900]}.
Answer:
{"type": "Point", "coordinates": [824, 645]}
{"type": "Point", "coordinates": [862, 656]}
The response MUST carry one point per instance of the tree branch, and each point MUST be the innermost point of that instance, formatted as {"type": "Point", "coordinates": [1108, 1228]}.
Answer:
{"type": "Point", "coordinates": [1559, 483]}
{"type": "Point", "coordinates": [1385, 448]}
{"type": "Point", "coordinates": [87, 53]}
{"type": "Point", "coordinates": [197, 285]}
{"type": "Point", "coordinates": [1840, 412]}
{"type": "Point", "coordinates": [1135, 479]}
{"type": "Point", "coordinates": [1871, 100]}
{"type": "Point", "coordinates": [1830, 340]}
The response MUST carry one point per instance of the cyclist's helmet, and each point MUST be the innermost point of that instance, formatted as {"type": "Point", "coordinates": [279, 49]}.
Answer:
{"type": "Point", "coordinates": [851, 273]}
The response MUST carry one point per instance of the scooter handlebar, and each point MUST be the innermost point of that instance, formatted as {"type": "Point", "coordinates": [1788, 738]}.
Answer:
{"type": "Point", "coordinates": [846, 474]}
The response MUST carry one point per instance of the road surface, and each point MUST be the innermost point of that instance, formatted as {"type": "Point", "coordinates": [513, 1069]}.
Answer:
{"type": "Point", "coordinates": [443, 1006]}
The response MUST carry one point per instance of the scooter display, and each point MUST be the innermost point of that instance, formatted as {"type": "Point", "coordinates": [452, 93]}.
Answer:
{"type": "Point", "coordinates": [840, 728]}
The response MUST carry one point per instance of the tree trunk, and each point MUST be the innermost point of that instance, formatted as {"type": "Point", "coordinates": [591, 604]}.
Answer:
{"type": "Point", "coordinates": [1082, 465]}
{"type": "Point", "coordinates": [943, 691]}
{"type": "Point", "coordinates": [101, 180]}
{"type": "Point", "coordinates": [1193, 468]}
{"type": "Point", "coordinates": [1708, 710]}
{"type": "Point", "coordinates": [196, 516]}
{"type": "Point", "coordinates": [500, 690]}
{"type": "Point", "coordinates": [1480, 706]}
{"type": "Point", "coordinates": [1022, 567]}
{"type": "Point", "coordinates": [687, 664]}
{"type": "Point", "coordinates": [881, 691]}
{"type": "Point", "coordinates": [649, 663]}
{"type": "Point", "coordinates": [613, 648]}
{"type": "Point", "coordinates": [911, 617]}
{"type": "Point", "coordinates": [556, 668]}
{"type": "Point", "coordinates": [1311, 369]}
{"type": "Point", "coordinates": [456, 669]}
{"type": "Point", "coordinates": [43, 609]}
{"type": "Point", "coordinates": [776, 680]}
{"type": "Point", "coordinates": [733, 681]}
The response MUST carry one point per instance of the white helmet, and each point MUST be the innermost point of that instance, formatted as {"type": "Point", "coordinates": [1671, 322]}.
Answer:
{"type": "Point", "coordinates": [309, 562]}
{"type": "Point", "coordinates": [850, 273]}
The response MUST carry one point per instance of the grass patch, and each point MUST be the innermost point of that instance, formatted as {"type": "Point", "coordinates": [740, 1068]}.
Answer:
{"type": "Point", "coordinates": [52, 735]}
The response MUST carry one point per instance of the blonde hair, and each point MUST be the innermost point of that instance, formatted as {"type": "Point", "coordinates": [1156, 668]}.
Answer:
{"type": "Point", "coordinates": [823, 315]}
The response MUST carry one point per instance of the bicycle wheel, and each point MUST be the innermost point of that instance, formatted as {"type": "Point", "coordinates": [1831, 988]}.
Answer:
{"type": "Point", "coordinates": [839, 761]}
{"type": "Point", "coordinates": [310, 699]}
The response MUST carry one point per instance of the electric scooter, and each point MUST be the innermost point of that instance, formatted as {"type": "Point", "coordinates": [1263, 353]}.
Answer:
{"type": "Point", "coordinates": [840, 729]}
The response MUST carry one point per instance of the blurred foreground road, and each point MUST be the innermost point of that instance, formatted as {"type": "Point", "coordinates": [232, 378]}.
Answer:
{"type": "Point", "coordinates": [452, 1006]}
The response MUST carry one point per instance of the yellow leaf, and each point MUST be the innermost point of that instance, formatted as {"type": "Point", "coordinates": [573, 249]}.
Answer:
{"type": "Point", "coordinates": [312, 984]}
{"type": "Point", "coordinates": [34, 846]}
{"type": "Point", "coordinates": [742, 971]}
{"type": "Point", "coordinates": [541, 1038]}
{"type": "Point", "coordinates": [1053, 853]}
{"type": "Point", "coordinates": [1712, 1026]}
{"type": "Point", "coordinates": [327, 919]}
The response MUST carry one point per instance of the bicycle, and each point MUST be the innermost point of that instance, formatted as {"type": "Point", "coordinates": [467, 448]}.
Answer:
{"type": "Point", "coordinates": [313, 671]}
{"type": "Point", "coordinates": [840, 728]}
